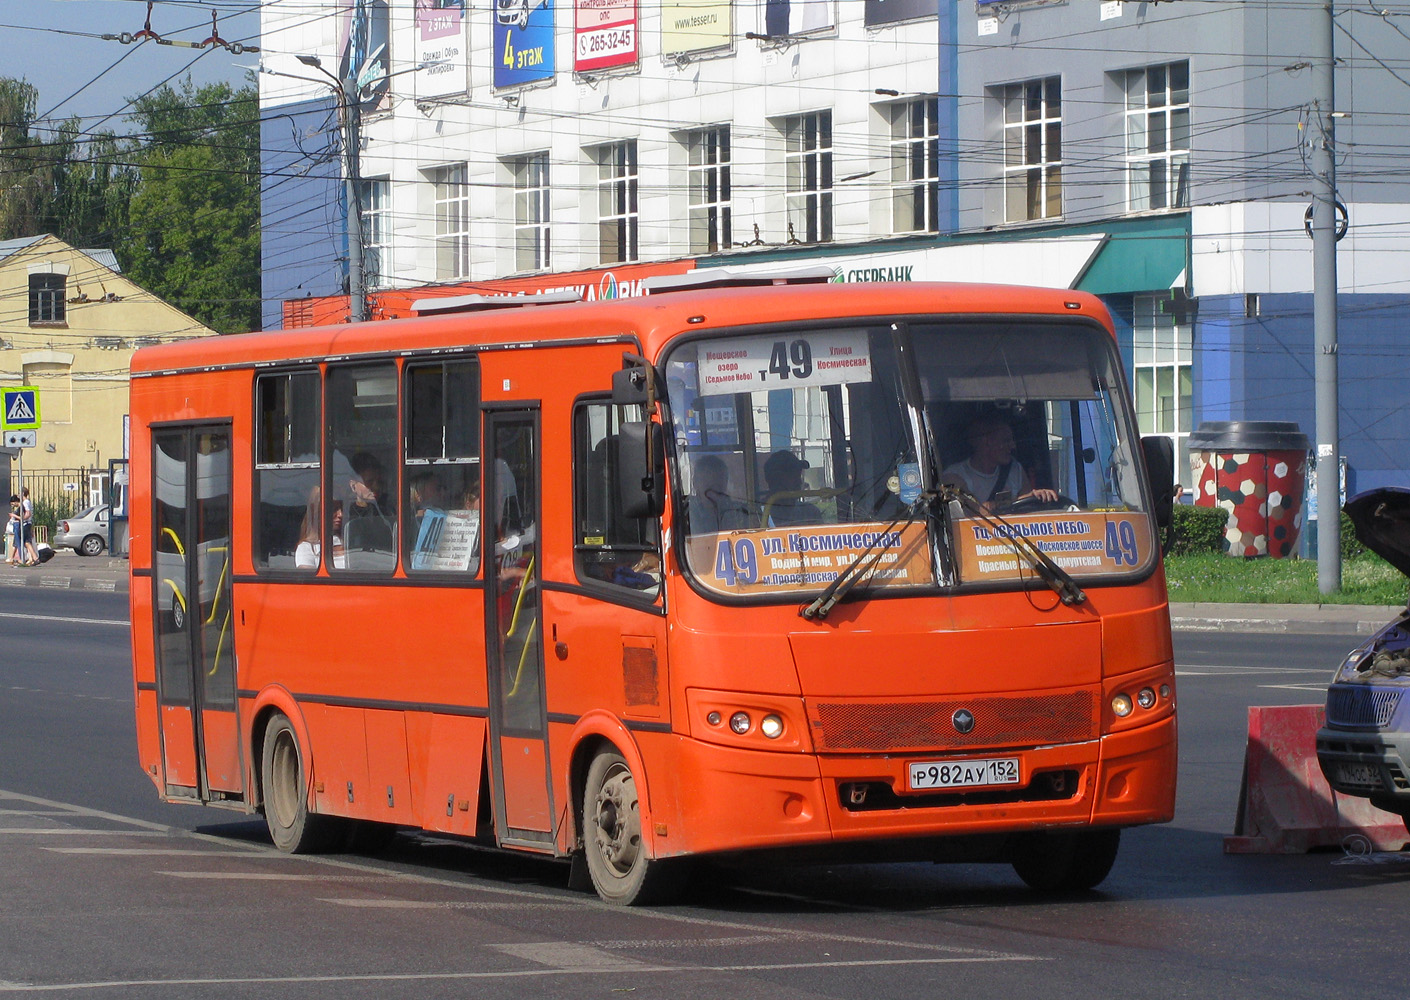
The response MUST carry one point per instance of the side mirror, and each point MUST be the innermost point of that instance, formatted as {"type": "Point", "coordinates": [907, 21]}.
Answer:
{"type": "Point", "coordinates": [641, 468]}
{"type": "Point", "coordinates": [1160, 475]}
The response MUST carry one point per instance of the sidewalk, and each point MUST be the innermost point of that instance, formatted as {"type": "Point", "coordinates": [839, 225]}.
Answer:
{"type": "Point", "coordinates": [69, 570]}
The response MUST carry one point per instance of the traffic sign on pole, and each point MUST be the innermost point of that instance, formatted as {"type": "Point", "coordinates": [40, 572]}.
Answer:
{"type": "Point", "coordinates": [21, 439]}
{"type": "Point", "coordinates": [19, 409]}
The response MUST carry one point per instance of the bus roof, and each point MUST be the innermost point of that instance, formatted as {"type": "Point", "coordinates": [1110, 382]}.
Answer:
{"type": "Point", "coordinates": [650, 320]}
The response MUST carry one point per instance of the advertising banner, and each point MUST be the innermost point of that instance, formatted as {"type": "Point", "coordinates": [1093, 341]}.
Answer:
{"type": "Point", "coordinates": [796, 17]}
{"type": "Point", "coordinates": [523, 42]}
{"type": "Point", "coordinates": [440, 47]}
{"type": "Point", "coordinates": [891, 11]}
{"type": "Point", "coordinates": [604, 34]}
{"type": "Point", "coordinates": [695, 25]}
{"type": "Point", "coordinates": [1079, 542]}
{"type": "Point", "coordinates": [366, 55]}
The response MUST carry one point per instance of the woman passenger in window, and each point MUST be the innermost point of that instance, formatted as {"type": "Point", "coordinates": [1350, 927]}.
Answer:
{"type": "Point", "coordinates": [309, 550]}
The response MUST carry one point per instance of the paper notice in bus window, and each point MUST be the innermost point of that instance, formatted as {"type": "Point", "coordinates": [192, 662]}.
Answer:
{"type": "Point", "coordinates": [1084, 544]}
{"type": "Point", "coordinates": [784, 560]}
{"type": "Point", "coordinates": [798, 360]}
{"type": "Point", "coordinates": [446, 540]}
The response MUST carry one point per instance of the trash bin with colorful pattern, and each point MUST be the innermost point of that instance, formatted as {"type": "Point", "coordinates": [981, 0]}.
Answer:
{"type": "Point", "coordinates": [1256, 470]}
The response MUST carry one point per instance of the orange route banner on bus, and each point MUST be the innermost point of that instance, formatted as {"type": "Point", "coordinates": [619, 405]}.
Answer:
{"type": "Point", "coordinates": [1082, 543]}
{"type": "Point", "coordinates": [780, 560]}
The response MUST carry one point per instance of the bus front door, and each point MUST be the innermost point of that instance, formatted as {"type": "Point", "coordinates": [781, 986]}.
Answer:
{"type": "Point", "coordinates": [192, 610]}
{"type": "Point", "coordinates": [523, 807]}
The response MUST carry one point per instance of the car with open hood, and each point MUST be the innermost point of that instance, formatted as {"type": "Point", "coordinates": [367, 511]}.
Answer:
{"type": "Point", "coordinates": [1364, 747]}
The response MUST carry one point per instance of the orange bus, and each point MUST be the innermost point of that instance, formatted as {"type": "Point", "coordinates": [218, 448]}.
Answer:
{"type": "Point", "coordinates": [745, 564]}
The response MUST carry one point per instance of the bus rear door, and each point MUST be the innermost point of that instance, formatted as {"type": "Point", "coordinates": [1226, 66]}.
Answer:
{"type": "Point", "coordinates": [192, 597]}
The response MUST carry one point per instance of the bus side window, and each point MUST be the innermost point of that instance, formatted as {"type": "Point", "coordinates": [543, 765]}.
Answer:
{"type": "Point", "coordinates": [609, 548]}
{"type": "Point", "coordinates": [288, 420]}
{"type": "Point", "coordinates": [441, 508]}
{"type": "Point", "coordinates": [363, 462]}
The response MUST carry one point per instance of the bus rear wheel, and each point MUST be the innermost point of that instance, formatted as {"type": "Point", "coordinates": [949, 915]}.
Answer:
{"type": "Point", "coordinates": [1070, 861]}
{"type": "Point", "coordinates": [616, 853]}
{"type": "Point", "coordinates": [293, 828]}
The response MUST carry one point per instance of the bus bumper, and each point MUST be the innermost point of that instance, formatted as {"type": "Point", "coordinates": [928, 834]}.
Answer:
{"type": "Point", "coordinates": [783, 799]}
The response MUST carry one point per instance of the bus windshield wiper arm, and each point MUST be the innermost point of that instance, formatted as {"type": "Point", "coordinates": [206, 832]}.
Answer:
{"type": "Point", "coordinates": [860, 566]}
{"type": "Point", "coordinates": [1057, 578]}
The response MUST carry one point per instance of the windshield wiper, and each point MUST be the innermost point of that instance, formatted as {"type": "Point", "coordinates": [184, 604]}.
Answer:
{"type": "Point", "coordinates": [1057, 578]}
{"type": "Point", "coordinates": [861, 565]}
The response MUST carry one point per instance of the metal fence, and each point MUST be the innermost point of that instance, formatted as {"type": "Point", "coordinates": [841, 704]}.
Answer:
{"type": "Point", "coordinates": [60, 493]}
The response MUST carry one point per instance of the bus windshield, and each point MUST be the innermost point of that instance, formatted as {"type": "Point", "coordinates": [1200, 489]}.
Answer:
{"type": "Point", "coordinates": [800, 449]}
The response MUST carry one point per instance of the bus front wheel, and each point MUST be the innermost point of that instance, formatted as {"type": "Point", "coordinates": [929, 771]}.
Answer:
{"type": "Point", "coordinates": [293, 828]}
{"type": "Point", "coordinates": [616, 854]}
{"type": "Point", "coordinates": [1069, 861]}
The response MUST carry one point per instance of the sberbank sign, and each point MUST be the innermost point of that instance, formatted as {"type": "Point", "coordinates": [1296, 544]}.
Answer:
{"type": "Point", "coordinates": [853, 274]}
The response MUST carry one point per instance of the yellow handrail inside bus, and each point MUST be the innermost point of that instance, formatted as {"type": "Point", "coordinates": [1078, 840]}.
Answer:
{"type": "Point", "coordinates": [519, 598]}
{"type": "Point", "coordinates": [523, 659]}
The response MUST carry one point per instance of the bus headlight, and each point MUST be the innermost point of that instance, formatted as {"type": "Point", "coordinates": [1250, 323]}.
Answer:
{"type": "Point", "coordinates": [740, 722]}
{"type": "Point", "coordinates": [1145, 698]}
{"type": "Point", "coordinates": [771, 726]}
{"type": "Point", "coordinates": [1121, 705]}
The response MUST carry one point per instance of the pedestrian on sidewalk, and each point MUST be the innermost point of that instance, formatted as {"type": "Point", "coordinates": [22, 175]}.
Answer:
{"type": "Point", "coordinates": [12, 532]}
{"type": "Point", "coordinates": [30, 555]}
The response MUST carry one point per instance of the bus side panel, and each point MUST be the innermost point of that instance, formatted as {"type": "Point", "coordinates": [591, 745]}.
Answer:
{"type": "Point", "coordinates": [383, 651]}
{"type": "Point", "coordinates": [448, 753]}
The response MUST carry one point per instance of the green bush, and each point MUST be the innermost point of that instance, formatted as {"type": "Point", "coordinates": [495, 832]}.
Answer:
{"type": "Point", "coordinates": [1197, 529]}
{"type": "Point", "coordinates": [46, 512]}
{"type": "Point", "coordinates": [1350, 544]}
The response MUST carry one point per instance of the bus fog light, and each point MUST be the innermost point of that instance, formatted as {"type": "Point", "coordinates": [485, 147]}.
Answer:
{"type": "Point", "coordinates": [713, 718]}
{"type": "Point", "coordinates": [1145, 698]}
{"type": "Point", "coordinates": [740, 722]}
{"type": "Point", "coordinates": [771, 726]}
{"type": "Point", "coordinates": [1165, 690]}
{"type": "Point", "coordinates": [1121, 705]}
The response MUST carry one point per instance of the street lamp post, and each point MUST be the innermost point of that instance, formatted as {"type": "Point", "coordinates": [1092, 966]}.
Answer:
{"type": "Point", "coordinates": [349, 117]}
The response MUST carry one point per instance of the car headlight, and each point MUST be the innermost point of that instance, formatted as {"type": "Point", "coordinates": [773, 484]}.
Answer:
{"type": "Point", "coordinates": [1355, 662]}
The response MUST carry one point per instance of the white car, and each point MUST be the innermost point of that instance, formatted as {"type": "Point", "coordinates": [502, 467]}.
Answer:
{"type": "Point", "coordinates": [515, 11]}
{"type": "Point", "coordinates": [86, 532]}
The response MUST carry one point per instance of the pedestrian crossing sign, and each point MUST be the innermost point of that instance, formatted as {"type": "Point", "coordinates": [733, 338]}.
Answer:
{"type": "Point", "coordinates": [20, 410]}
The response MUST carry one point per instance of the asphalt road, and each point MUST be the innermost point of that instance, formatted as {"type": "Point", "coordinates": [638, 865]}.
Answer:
{"type": "Point", "coordinates": [109, 893]}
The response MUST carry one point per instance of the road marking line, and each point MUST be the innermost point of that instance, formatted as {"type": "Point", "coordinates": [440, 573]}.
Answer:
{"type": "Point", "coordinates": [158, 851]}
{"type": "Point", "coordinates": [412, 977]}
{"type": "Point", "coordinates": [448, 904]}
{"type": "Point", "coordinates": [282, 876]}
{"type": "Point", "coordinates": [65, 618]}
{"type": "Point", "coordinates": [69, 831]}
{"type": "Point", "coordinates": [566, 955]}
{"type": "Point", "coordinates": [1201, 670]}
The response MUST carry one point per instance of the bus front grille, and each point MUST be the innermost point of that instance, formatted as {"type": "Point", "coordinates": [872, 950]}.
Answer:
{"type": "Point", "coordinates": [1036, 720]}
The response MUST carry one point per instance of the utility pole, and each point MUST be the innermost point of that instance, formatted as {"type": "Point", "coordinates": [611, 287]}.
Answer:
{"type": "Point", "coordinates": [350, 118]}
{"type": "Point", "coordinates": [1322, 130]}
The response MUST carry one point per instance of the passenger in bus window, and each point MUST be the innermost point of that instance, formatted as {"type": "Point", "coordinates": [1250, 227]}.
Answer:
{"type": "Point", "coordinates": [309, 550]}
{"type": "Point", "coordinates": [427, 493]}
{"type": "Point", "coordinates": [784, 504]}
{"type": "Point", "coordinates": [369, 491]}
{"type": "Point", "coordinates": [991, 473]}
{"type": "Point", "coordinates": [710, 506]}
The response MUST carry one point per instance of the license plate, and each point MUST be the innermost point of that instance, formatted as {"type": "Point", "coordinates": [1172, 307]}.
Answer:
{"type": "Point", "coordinates": [927, 774]}
{"type": "Point", "coordinates": [1364, 775]}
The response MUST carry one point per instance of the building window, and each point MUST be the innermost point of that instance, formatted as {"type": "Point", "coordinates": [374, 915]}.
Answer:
{"type": "Point", "coordinates": [1162, 353]}
{"type": "Point", "coordinates": [915, 166]}
{"type": "Point", "coordinates": [452, 222]}
{"type": "Point", "coordinates": [708, 179]}
{"type": "Point", "coordinates": [808, 177]}
{"type": "Point", "coordinates": [1158, 137]}
{"type": "Point", "coordinates": [376, 231]}
{"type": "Point", "coordinates": [46, 298]}
{"type": "Point", "coordinates": [617, 202]}
{"type": "Point", "coordinates": [532, 237]}
{"type": "Point", "coordinates": [1032, 149]}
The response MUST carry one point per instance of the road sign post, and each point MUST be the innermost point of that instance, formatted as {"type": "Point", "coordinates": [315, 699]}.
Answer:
{"type": "Point", "coordinates": [19, 413]}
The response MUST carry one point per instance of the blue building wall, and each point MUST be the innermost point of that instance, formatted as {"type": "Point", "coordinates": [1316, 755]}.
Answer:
{"type": "Point", "coordinates": [1261, 368]}
{"type": "Point", "coordinates": [303, 248]}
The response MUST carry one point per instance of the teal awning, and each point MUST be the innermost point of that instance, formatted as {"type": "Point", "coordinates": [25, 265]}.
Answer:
{"type": "Point", "coordinates": [1142, 258]}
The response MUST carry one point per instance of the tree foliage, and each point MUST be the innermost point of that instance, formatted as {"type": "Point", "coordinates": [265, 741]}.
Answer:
{"type": "Point", "coordinates": [177, 200]}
